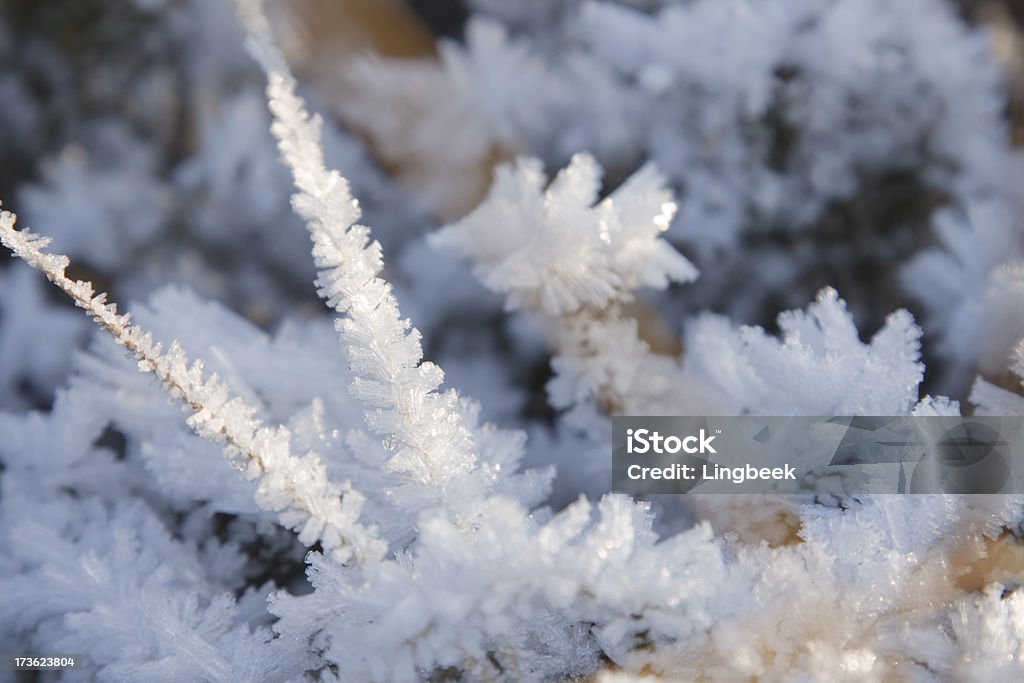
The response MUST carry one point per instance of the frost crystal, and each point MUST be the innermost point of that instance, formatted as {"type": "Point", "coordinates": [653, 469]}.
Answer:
{"type": "Point", "coordinates": [821, 351]}
{"type": "Point", "coordinates": [559, 249]}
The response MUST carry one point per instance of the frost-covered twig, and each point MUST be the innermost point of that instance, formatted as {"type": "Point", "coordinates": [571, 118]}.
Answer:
{"type": "Point", "coordinates": [297, 488]}
{"type": "Point", "coordinates": [559, 252]}
{"type": "Point", "coordinates": [422, 429]}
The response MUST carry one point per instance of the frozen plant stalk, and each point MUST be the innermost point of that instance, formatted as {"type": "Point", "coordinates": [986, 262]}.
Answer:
{"type": "Point", "coordinates": [422, 428]}
{"type": "Point", "coordinates": [295, 487]}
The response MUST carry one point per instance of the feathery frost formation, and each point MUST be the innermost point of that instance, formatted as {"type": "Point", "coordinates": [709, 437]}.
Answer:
{"type": "Point", "coordinates": [422, 428]}
{"type": "Point", "coordinates": [416, 541]}
{"type": "Point", "coordinates": [558, 250]}
{"type": "Point", "coordinates": [296, 487]}
{"type": "Point", "coordinates": [821, 352]}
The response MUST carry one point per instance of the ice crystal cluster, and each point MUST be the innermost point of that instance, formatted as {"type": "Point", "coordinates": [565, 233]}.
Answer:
{"type": "Point", "coordinates": [227, 485]}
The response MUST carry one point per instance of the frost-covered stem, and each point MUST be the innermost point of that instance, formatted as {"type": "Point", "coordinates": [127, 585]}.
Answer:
{"type": "Point", "coordinates": [421, 428]}
{"type": "Point", "coordinates": [607, 354]}
{"type": "Point", "coordinates": [605, 351]}
{"type": "Point", "coordinates": [563, 253]}
{"type": "Point", "coordinates": [297, 488]}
